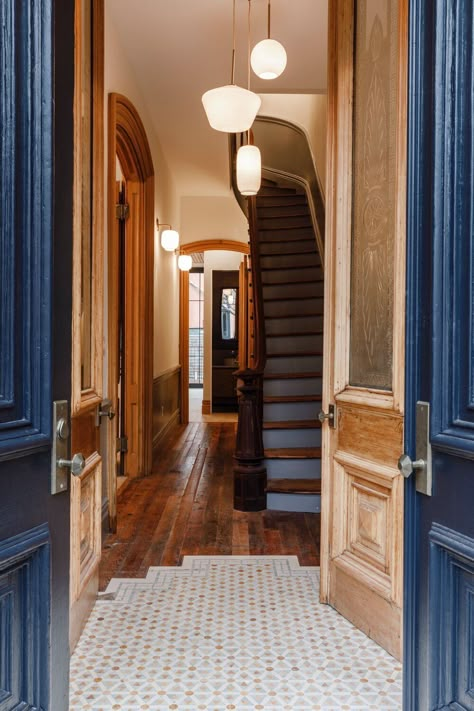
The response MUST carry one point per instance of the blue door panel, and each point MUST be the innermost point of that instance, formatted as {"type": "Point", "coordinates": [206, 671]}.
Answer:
{"type": "Point", "coordinates": [439, 530]}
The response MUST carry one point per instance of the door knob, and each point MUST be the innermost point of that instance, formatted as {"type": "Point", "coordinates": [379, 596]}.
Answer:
{"type": "Point", "coordinates": [77, 464]}
{"type": "Point", "coordinates": [330, 416]}
{"type": "Point", "coordinates": [407, 466]}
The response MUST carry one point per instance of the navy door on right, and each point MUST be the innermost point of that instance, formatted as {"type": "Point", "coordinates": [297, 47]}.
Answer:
{"type": "Point", "coordinates": [439, 528]}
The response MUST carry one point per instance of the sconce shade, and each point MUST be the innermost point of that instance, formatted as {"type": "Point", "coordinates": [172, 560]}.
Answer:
{"type": "Point", "coordinates": [268, 59]}
{"type": "Point", "coordinates": [185, 262]}
{"type": "Point", "coordinates": [169, 240]}
{"type": "Point", "coordinates": [249, 170]}
{"type": "Point", "coordinates": [230, 108]}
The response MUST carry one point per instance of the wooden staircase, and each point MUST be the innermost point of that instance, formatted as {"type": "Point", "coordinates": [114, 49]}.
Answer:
{"type": "Point", "coordinates": [292, 286]}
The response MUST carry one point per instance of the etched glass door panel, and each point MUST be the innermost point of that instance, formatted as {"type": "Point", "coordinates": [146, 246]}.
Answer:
{"type": "Point", "coordinates": [374, 199]}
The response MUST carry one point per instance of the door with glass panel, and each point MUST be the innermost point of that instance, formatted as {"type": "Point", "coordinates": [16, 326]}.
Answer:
{"type": "Point", "coordinates": [362, 506]}
{"type": "Point", "coordinates": [87, 316]}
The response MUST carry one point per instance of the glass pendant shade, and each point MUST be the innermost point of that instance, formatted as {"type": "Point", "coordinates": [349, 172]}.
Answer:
{"type": "Point", "coordinates": [268, 59]}
{"type": "Point", "coordinates": [230, 108]}
{"type": "Point", "coordinates": [169, 240]}
{"type": "Point", "coordinates": [185, 262]}
{"type": "Point", "coordinates": [249, 170]}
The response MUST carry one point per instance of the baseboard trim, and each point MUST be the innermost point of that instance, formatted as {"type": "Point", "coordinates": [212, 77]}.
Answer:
{"type": "Point", "coordinates": [206, 407]}
{"type": "Point", "coordinates": [172, 422]}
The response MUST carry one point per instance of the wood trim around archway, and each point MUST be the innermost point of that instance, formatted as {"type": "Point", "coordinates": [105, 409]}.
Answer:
{"type": "Point", "coordinates": [127, 140]}
{"type": "Point", "coordinates": [226, 245]}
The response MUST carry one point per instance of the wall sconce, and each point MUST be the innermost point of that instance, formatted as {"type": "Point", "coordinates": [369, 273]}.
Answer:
{"type": "Point", "coordinates": [185, 262]}
{"type": "Point", "coordinates": [268, 57]}
{"type": "Point", "coordinates": [169, 237]}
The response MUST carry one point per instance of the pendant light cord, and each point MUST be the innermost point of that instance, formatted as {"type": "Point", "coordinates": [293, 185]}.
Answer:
{"type": "Point", "coordinates": [248, 46]}
{"type": "Point", "coordinates": [232, 74]}
{"type": "Point", "coordinates": [269, 17]}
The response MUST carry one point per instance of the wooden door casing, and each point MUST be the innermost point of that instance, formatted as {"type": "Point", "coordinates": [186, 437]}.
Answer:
{"type": "Point", "coordinates": [86, 489]}
{"type": "Point", "coordinates": [362, 491]}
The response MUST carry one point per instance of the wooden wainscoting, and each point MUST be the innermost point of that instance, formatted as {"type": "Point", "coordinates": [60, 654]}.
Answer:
{"type": "Point", "coordinates": [166, 398]}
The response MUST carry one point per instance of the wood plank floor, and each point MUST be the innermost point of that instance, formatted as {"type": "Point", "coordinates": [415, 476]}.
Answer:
{"type": "Point", "coordinates": [185, 508]}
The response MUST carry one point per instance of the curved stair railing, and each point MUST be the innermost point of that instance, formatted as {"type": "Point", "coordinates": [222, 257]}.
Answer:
{"type": "Point", "coordinates": [286, 160]}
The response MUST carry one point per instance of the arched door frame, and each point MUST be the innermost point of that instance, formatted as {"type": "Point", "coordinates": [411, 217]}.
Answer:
{"type": "Point", "coordinates": [127, 140]}
{"type": "Point", "coordinates": [226, 245]}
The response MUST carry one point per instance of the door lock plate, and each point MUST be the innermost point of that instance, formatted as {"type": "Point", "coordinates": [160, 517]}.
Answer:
{"type": "Point", "coordinates": [424, 477]}
{"type": "Point", "coordinates": [60, 448]}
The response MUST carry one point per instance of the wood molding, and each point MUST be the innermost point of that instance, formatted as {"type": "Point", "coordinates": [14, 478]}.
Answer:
{"type": "Point", "coordinates": [167, 374]}
{"type": "Point", "coordinates": [206, 407]}
{"type": "Point", "coordinates": [172, 422]}
{"type": "Point", "coordinates": [127, 139]}
{"type": "Point", "coordinates": [226, 245]}
{"type": "Point", "coordinates": [199, 246]}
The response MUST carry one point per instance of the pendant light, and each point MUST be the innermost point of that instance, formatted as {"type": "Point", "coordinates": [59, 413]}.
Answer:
{"type": "Point", "coordinates": [268, 57]}
{"type": "Point", "coordinates": [249, 161]}
{"type": "Point", "coordinates": [185, 262]}
{"type": "Point", "coordinates": [231, 108]}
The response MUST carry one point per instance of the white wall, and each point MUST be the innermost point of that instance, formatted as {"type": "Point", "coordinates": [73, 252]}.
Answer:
{"type": "Point", "coordinates": [213, 260]}
{"type": "Point", "coordinates": [119, 78]}
{"type": "Point", "coordinates": [212, 218]}
{"type": "Point", "coordinates": [308, 111]}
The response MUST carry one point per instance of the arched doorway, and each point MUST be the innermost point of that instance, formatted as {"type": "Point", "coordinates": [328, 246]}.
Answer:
{"type": "Point", "coordinates": [130, 293]}
{"type": "Point", "coordinates": [192, 247]}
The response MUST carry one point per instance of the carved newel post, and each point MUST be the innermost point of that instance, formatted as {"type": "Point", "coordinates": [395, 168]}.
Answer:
{"type": "Point", "coordinates": [250, 476]}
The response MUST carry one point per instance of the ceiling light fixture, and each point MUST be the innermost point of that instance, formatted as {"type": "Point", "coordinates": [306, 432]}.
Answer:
{"type": "Point", "coordinates": [169, 237]}
{"type": "Point", "coordinates": [249, 161]}
{"type": "Point", "coordinates": [268, 57]}
{"type": "Point", "coordinates": [231, 108]}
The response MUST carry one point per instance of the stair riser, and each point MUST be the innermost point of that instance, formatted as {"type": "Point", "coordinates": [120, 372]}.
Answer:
{"type": "Point", "coordinates": [283, 210]}
{"type": "Point", "coordinates": [293, 325]}
{"type": "Point", "coordinates": [303, 290]}
{"type": "Point", "coordinates": [303, 386]}
{"type": "Point", "coordinates": [294, 344]}
{"type": "Point", "coordinates": [288, 234]}
{"type": "Point", "coordinates": [278, 223]}
{"type": "Point", "coordinates": [293, 469]}
{"type": "Point", "coordinates": [290, 411]}
{"type": "Point", "coordinates": [293, 308]}
{"type": "Point", "coordinates": [303, 246]}
{"type": "Point", "coordinates": [302, 503]}
{"type": "Point", "coordinates": [291, 438]}
{"type": "Point", "coordinates": [269, 201]}
{"type": "Point", "coordinates": [304, 274]}
{"type": "Point", "coordinates": [283, 261]}
{"type": "Point", "coordinates": [295, 364]}
{"type": "Point", "coordinates": [271, 190]}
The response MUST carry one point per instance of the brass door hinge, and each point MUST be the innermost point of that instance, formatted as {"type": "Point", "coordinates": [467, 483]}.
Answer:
{"type": "Point", "coordinates": [122, 211]}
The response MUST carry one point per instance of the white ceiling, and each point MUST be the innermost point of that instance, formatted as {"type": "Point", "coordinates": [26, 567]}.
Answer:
{"type": "Point", "coordinates": [181, 48]}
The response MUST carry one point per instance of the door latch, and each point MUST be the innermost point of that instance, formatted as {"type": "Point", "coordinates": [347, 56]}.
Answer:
{"type": "Point", "coordinates": [104, 410]}
{"type": "Point", "coordinates": [422, 464]}
{"type": "Point", "coordinates": [330, 415]}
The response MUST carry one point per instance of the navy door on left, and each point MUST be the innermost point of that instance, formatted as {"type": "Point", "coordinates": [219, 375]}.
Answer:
{"type": "Point", "coordinates": [36, 154]}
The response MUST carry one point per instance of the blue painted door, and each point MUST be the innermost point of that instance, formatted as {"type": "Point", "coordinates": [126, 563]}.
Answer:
{"type": "Point", "coordinates": [36, 139]}
{"type": "Point", "coordinates": [439, 532]}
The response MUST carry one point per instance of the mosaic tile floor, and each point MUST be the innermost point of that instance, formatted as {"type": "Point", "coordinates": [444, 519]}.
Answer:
{"type": "Point", "coordinates": [226, 632]}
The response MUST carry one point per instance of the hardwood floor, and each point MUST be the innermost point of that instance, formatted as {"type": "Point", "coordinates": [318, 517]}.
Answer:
{"type": "Point", "coordinates": [185, 508]}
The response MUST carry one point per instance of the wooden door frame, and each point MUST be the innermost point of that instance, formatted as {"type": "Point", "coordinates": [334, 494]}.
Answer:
{"type": "Point", "coordinates": [225, 245]}
{"type": "Point", "coordinates": [128, 141]}
{"type": "Point", "coordinates": [338, 252]}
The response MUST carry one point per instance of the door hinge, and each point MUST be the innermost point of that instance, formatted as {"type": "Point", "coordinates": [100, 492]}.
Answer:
{"type": "Point", "coordinates": [122, 444]}
{"type": "Point", "coordinates": [122, 211]}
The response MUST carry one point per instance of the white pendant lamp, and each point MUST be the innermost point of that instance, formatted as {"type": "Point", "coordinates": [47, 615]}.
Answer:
{"type": "Point", "coordinates": [185, 262]}
{"type": "Point", "coordinates": [169, 237]}
{"type": "Point", "coordinates": [268, 58]}
{"type": "Point", "coordinates": [231, 108]}
{"type": "Point", "coordinates": [249, 170]}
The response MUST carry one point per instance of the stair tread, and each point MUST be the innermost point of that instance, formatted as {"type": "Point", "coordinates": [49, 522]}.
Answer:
{"type": "Point", "coordinates": [290, 298]}
{"type": "Point", "coordinates": [288, 283]}
{"type": "Point", "coordinates": [286, 334]}
{"type": "Point", "coordinates": [287, 266]}
{"type": "Point", "coordinates": [291, 398]}
{"type": "Point", "coordinates": [313, 314]}
{"type": "Point", "coordinates": [292, 425]}
{"type": "Point", "coordinates": [290, 376]}
{"type": "Point", "coordinates": [292, 354]}
{"type": "Point", "coordinates": [293, 453]}
{"type": "Point", "coordinates": [294, 486]}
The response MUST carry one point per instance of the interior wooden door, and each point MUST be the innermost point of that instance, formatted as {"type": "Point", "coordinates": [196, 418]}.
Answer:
{"type": "Point", "coordinates": [87, 313]}
{"type": "Point", "coordinates": [362, 490]}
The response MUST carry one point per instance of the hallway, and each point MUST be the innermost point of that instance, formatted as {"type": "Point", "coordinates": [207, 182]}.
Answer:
{"type": "Point", "coordinates": [237, 624]}
{"type": "Point", "coordinates": [185, 508]}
